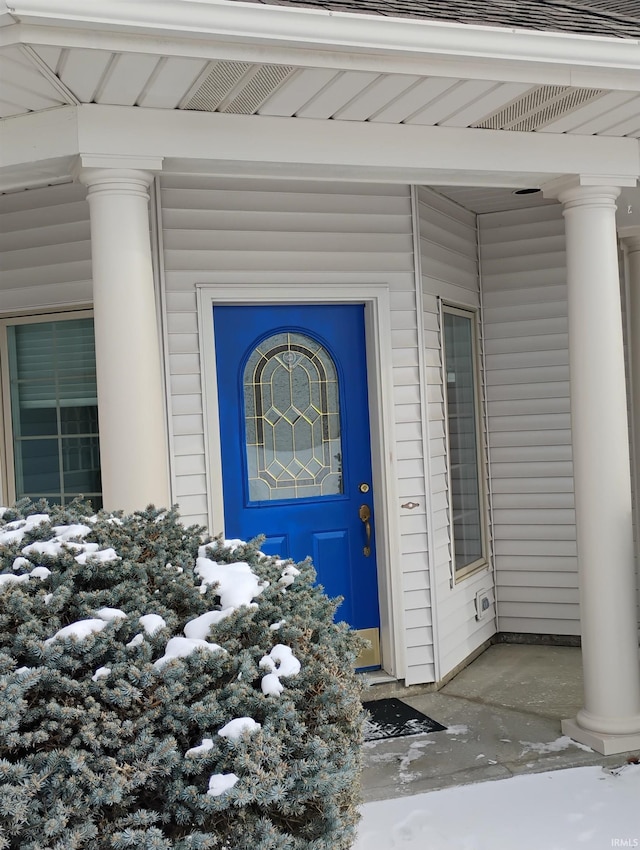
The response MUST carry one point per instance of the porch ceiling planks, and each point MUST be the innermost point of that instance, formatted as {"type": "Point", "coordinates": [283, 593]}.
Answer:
{"type": "Point", "coordinates": [340, 94]}
{"type": "Point", "coordinates": [23, 88]}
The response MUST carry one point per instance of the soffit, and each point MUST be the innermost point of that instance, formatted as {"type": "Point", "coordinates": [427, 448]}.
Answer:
{"type": "Point", "coordinates": [489, 200]}
{"type": "Point", "coordinates": [42, 77]}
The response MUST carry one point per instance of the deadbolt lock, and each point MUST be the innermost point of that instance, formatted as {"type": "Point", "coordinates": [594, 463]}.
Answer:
{"type": "Point", "coordinates": [364, 487]}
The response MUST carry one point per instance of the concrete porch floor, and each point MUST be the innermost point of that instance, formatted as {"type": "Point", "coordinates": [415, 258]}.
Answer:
{"type": "Point", "coordinates": [503, 715]}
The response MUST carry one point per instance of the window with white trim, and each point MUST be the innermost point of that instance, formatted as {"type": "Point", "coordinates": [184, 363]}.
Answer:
{"type": "Point", "coordinates": [51, 408]}
{"type": "Point", "coordinates": [464, 440]}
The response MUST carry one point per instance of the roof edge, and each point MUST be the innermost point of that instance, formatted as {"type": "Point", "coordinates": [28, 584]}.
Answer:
{"type": "Point", "coordinates": [314, 29]}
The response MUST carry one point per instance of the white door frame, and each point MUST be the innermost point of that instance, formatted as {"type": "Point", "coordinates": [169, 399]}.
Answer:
{"type": "Point", "coordinates": [310, 288]}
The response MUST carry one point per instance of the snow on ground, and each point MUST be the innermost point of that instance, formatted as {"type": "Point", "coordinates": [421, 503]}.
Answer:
{"type": "Point", "coordinates": [584, 808]}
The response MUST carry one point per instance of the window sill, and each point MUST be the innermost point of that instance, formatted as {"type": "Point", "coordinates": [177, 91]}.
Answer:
{"type": "Point", "coordinates": [470, 570]}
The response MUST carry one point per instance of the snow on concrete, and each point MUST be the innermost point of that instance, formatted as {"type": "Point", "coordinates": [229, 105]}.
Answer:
{"type": "Point", "coordinates": [556, 746]}
{"type": "Point", "coordinates": [585, 807]}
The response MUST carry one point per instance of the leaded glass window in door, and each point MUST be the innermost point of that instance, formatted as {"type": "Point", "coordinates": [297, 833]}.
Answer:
{"type": "Point", "coordinates": [292, 420]}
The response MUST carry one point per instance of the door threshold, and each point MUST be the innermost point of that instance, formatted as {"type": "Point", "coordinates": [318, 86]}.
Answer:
{"type": "Point", "coordinates": [376, 677]}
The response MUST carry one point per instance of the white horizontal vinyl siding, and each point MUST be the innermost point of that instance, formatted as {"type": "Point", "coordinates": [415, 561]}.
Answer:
{"type": "Point", "coordinates": [270, 227]}
{"type": "Point", "coordinates": [45, 248]}
{"type": "Point", "coordinates": [527, 383]}
{"type": "Point", "coordinates": [449, 271]}
{"type": "Point", "coordinates": [634, 427]}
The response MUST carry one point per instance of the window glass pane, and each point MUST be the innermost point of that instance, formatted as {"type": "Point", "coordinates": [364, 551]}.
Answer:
{"type": "Point", "coordinates": [79, 420]}
{"type": "Point", "coordinates": [292, 420]}
{"type": "Point", "coordinates": [463, 439]}
{"type": "Point", "coordinates": [38, 422]}
{"type": "Point", "coordinates": [53, 394]}
{"type": "Point", "coordinates": [39, 466]}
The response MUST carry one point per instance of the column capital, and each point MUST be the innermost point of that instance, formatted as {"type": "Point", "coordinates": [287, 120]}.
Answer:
{"type": "Point", "coordinates": [575, 195]}
{"type": "Point", "coordinates": [116, 181]}
{"type": "Point", "coordinates": [125, 175]}
{"type": "Point", "coordinates": [585, 188]}
{"type": "Point", "coordinates": [118, 161]}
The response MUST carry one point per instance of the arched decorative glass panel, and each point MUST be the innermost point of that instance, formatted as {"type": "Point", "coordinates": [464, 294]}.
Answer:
{"type": "Point", "coordinates": [292, 420]}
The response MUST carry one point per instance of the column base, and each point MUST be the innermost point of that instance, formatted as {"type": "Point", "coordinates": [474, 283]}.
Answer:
{"type": "Point", "coordinates": [608, 745]}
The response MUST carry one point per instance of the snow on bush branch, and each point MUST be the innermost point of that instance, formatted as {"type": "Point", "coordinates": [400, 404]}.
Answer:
{"type": "Point", "coordinates": [162, 689]}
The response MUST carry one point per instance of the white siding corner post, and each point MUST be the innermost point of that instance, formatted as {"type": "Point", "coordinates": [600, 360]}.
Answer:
{"type": "Point", "coordinates": [133, 445]}
{"type": "Point", "coordinates": [609, 722]}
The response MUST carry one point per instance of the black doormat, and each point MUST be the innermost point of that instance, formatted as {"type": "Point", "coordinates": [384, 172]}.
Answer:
{"type": "Point", "coordinates": [392, 718]}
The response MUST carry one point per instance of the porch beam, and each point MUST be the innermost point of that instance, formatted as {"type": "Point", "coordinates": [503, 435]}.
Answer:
{"type": "Point", "coordinates": [364, 149]}
{"type": "Point", "coordinates": [215, 143]}
{"type": "Point", "coordinates": [609, 722]}
{"type": "Point", "coordinates": [131, 406]}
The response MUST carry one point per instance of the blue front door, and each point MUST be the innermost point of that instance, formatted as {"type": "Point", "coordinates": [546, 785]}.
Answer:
{"type": "Point", "coordinates": [296, 460]}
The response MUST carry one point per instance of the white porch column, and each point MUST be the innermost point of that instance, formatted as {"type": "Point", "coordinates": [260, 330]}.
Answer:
{"type": "Point", "coordinates": [631, 240]}
{"type": "Point", "coordinates": [610, 719]}
{"type": "Point", "coordinates": [131, 405]}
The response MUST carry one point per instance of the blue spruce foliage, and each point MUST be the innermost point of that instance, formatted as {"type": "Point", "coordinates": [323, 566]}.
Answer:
{"type": "Point", "coordinates": [103, 745]}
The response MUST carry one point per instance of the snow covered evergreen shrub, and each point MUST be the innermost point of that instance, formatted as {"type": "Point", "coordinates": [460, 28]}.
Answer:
{"type": "Point", "coordinates": [157, 693]}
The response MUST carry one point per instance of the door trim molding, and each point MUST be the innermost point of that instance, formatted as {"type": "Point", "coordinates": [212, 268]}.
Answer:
{"type": "Point", "coordinates": [310, 288]}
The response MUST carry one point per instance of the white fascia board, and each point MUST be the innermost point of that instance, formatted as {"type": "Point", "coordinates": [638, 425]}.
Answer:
{"type": "Point", "coordinates": [626, 78]}
{"type": "Point", "coordinates": [38, 136]}
{"type": "Point", "coordinates": [350, 147]}
{"type": "Point", "coordinates": [255, 25]}
{"type": "Point", "coordinates": [217, 143]}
